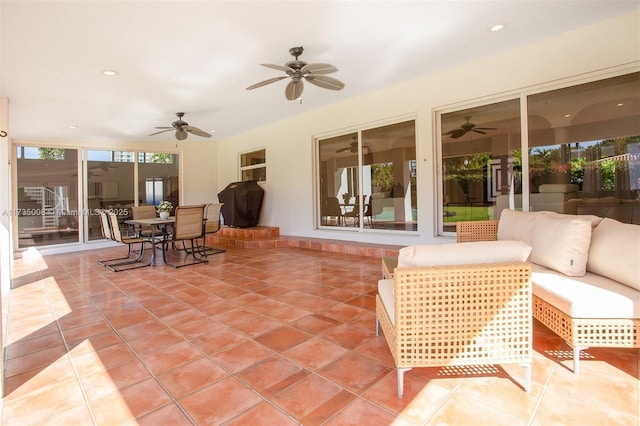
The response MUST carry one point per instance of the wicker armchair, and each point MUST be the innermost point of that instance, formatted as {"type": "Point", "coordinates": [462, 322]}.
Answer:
{"type": "Point", "coordinates": [457, 315]}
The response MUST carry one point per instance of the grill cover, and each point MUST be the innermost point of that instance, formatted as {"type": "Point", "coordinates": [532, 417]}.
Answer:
{"type": "Point", "coordinates": [242, 203]}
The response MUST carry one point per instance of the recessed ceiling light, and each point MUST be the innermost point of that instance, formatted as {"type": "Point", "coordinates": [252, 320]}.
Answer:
{"type": "Point", "coordinates": [496, 27]}
{"type": "Point", "coordinates": [568, 115]}
{"type": "Point", "coordinates": [110, 73]}
{"type": "Point", "coordinates": [73, 127]}
{"type": "Point", "coordinates": [620, 104]}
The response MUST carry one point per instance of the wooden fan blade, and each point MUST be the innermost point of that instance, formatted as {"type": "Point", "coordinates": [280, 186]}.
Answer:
{"type": "Point", "coordinates": [181, 135]}
{"type": "Point", "coordinates": [161, 131]}
{"type": "Point", "coordinates": [164, 127]}
{"type": "Point", "coordinates": [455, 134]}
{"type": "Point", "coordinates": [279, 68]}
{"type": "Point", "coordinates": [486, 128]}
{"type": "Point", "coordinates": [264, 83]}
{"type": "Point", "coordinates": [197, 131]}
{"type": "Point", "coordinates": [324, 81]}
{"type": "Point", "coordinates": [318, 69]}
{"type": "Point", "coordinates": [294, 90]}
{"type": "Point", "coordinates": [478, 131]}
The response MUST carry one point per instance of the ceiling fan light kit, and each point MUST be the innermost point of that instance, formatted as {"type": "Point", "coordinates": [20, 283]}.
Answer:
{"type": "Point", "coordinates": [298, 71]}
{"type": "Point", "coordinates": [182, 129]}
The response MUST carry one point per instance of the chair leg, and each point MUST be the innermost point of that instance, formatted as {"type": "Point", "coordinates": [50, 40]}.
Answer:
{"type": "Point", "coordinates": [527, 377]}
{"type": "Point", "coordinates": [138, 259]}
{"type": "Point", "coordinates": [576, 358]}
{"type": "Point", "coordinates": [400, 373]}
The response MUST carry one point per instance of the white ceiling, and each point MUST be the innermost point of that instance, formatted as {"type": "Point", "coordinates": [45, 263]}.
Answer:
{"type": "Point", "coordinates": [198, 57]}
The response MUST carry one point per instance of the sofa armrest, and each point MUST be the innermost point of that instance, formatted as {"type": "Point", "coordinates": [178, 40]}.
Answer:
{"type": "Point", "coordinates": [479, 230]}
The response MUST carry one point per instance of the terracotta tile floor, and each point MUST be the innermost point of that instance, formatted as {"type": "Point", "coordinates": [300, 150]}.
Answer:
{"type": "Point", "coordinates": [275, 336]}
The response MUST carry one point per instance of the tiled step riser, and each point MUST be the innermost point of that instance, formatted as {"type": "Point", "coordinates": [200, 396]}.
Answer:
{"type": "Point", "coordinates": [269, 237]}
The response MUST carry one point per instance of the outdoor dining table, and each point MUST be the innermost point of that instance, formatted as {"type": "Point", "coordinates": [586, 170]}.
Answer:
{"type": "Point", "coordinates": [154, 223]}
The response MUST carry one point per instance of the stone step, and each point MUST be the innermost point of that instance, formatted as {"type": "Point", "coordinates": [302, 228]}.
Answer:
{"type": "Point", "coordinates": [269, 237]}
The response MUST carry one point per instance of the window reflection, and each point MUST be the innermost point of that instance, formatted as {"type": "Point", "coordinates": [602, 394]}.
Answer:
{"type": "Point", "coordinates": [158, 178]}
{"type": "Point", "coordinates": [367, 179]}
{"type": "Point", "coordinates": [109, 186]}
{"type": "Point", "coordinates": [47, 195]}
{"type": "Point", "coordinates": [481, 162]}
{"type": "Point", "coordinates": [585, 149]}
{"type": "Point", "coordinates": [583, 154]}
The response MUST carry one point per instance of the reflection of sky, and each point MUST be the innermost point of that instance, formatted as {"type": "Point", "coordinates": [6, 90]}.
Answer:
{"type": "Point", "coordinates": [579, 145]}
{"type": "Point", "coordinates": [93, 155]}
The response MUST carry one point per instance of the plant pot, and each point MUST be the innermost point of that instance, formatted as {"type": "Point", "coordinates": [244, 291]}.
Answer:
{"type": "Point", "coordinates": [164, 215]}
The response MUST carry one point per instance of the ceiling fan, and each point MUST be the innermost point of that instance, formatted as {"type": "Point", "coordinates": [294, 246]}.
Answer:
{"type": "Point", "coordinates": [353, 148]}
{"type": "Point", "coordinates": [182, 129]}
{"type": "Point", "coordinates": [298, 70]}
{"type": "Point", "coordinates": [467, 127]}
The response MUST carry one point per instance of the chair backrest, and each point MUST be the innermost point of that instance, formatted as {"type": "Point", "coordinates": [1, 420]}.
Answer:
{"type": "Point", "coordinates": [212, 214]}
{"type": "Point", "coordinates": [144, 212]}
{"type": "Point", "coordinates": [189, 222]}
{"type": "Point", "coordinates": [115, 226]}
{"type": "Point", "coordinates": [104, 224]}
{"type": "Point", "coordinates": [332, 207]}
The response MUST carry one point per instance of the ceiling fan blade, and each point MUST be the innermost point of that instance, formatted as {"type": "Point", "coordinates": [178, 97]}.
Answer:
{"type": "Point", "coordinates": [318, 69]}
{"type": "Point", "coordinates": [161, 131]}
{"type": "Point", "coordinates": [486, 128]}
{"type": "Point", "coordinates": [197, 131]}
{"type": "Point", "coordinates": [279, 68]}
{"type": "Point", "coordinates": [181, 135]}
{"type": "Point", "coordinates": [264, 83]}
{"type": "Point", "coordinates": [343, 149]}
{"type": "Point", "coordinates": [164, 127]}
{"type": "Point", "coordinates": [457, 133]}
{"type": "Point", "coordinates": [294, 90]}
{"type": "Point", "coordinates": [478, 131]}
{"type": "Point", "coordinates": [324, 81]}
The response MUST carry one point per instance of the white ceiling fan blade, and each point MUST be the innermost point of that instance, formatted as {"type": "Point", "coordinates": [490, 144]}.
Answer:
{"type": "Point", "coordinates": [264, 83]}
{"type": "Point", "coordinates": [324, 81]}
{"type": "Point", "coordinates": [318, 69]}
{"type": "Point", "coordinates": [181, 135]}
{"type": "Point", "coordinates": [294, 90]}
{"type": "Point", "coordinates": [279, 68]}
{"type": "Point", "coordinates": [197, 131]}
{"type": "Point", "coordinates": [161, 131]}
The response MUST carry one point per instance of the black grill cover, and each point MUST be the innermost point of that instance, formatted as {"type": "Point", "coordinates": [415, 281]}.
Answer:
{"type": "Point", "coordinates": [242, 203]}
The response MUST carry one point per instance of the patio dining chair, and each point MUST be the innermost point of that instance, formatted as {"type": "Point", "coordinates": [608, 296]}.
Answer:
{"type": "Point", "coordinates": [111, 230]}
{"type": "Point", "coordinates": [211, 226]}
{"type": "Point", "coordinates": [189, 226]}
{"type": "Point", "coordinates": [145, 212]}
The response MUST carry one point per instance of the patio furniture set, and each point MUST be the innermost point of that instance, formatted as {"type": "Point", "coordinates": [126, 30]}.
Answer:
{"type": "Point", "coordinates": [472, 302]}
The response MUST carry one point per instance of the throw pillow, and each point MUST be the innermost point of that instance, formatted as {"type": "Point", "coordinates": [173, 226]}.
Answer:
{"type": "Point", "coordinates": [561, 243]}
{"type": "Point", "coordinates": [517, 225]}
{"type": "Point", "coordinates": [615, 252]}
{"type": "Point", "coordinates": [463, 253]}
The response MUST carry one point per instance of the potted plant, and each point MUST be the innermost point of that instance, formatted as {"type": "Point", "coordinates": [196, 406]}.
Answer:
{"type": "Point", "coordinates": [164, 209]}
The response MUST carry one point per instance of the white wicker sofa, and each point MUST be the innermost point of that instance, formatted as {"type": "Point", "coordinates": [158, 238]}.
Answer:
{"type": "Point", "coordinates": [586, 274]}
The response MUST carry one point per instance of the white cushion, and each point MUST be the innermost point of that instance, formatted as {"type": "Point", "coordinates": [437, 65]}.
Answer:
{"type": "Point", "coordinates": [589, 296]}
{"type": "Point", "coordinates": [561, 242]}
{"type": "Point", "coordinates": [593, 219]}
{"type": "Point", "coordinates": [464, 253]}
{"type": "Point", "coordinates": [615, 252]}
{"type": "Point", "coordinates": [562, 188]}
{"type": "Point", "coordinates": [386, 292]}
{"type": "Point", "coordinates": [517, 225]}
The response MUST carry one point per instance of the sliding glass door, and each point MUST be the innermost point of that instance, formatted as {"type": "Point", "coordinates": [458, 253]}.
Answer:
{"type": "Point", "coordinates": [58, 193]}
{"type": "Point", "coordinates": [47, 196]}
{"type": "Point", "coordinates": [367, 179]}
